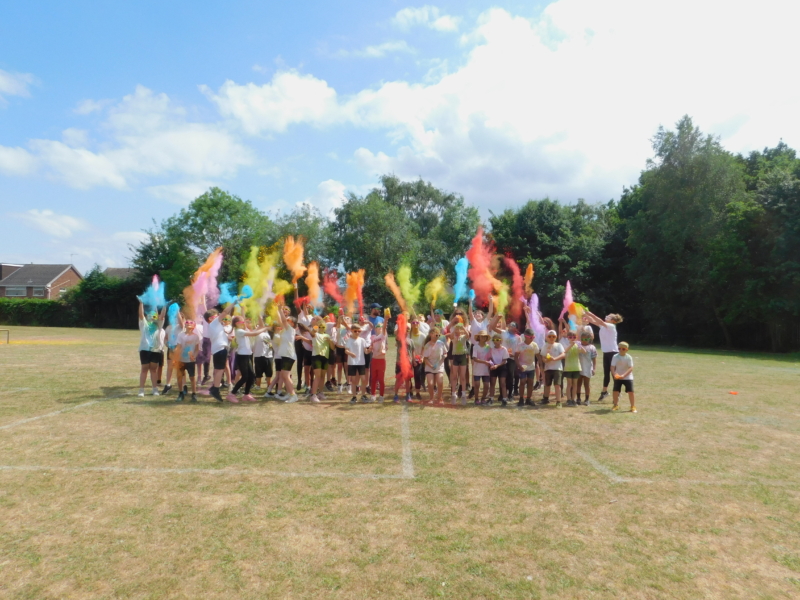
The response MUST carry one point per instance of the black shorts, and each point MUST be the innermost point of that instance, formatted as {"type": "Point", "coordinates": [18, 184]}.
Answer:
{"type": "Point", "coordinates": [262, 366]}
{"type": "Point", "coordinates": [341, 357]}
{"type": "Point", "coordinates": [367, 360]}
{"type": "Point", "coordinates": [626, 383]}
{"type": "Point", "coordinates": [553, 377]}
{"type": "Point", "coordinates": [284, 363]}
{"type": "Point", "coordinates": [188, 368]}
{"type": "Point", "coordinates": [353, 370]}
{"type": "Point", "coordinates": [458, 360]}
{"type": "Point", "coordinates": [319, 362]}
{"type": "Point", "coordinates": [499, 372]}
{"type": "Point", "coordinates": [146, 357]}
{"type": "Point", "coordinates": [220, 359]}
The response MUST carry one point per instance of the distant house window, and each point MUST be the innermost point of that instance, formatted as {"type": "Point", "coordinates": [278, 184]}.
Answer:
{"type": "Point", "coordinates": [38, 292]}
{"type": "Point", "coordinates": [16, 292]}
{"type": "Point", "coordinates": [62, 291]}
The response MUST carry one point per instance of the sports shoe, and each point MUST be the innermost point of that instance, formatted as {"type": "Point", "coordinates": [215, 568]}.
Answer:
{"type": "Point", "coordinates": [353, 400]}
{"type": "Point", "coordinates": [269, 394]}
{"type": "Point", "coordinates": [558, 404]}
{"type": "Point", "coordinates": [341, 388]}
{"type": "Point", "coordinates": [366, 399]}
{"type": "Point", "coordinates": [321, 396]}
{"type": "Point", "coordinates": [602, 395]}
{"type": "Point", "coordinates": [396, 398]}
{"type": "Point", "coordinates": [314, 398]}
{"type": "Point", "coordinates": [503, 401]}
{"type": "Point", "coordinates": [291, 399]}
{"type": "Point", "coordinates": [249, 398]}
{"type": "Point", "coordinates": [185, 388]}
{"type": "Point", "coordinates": [586, 402]}
{"type": "Point", "coordinates": [329, 386]}
{"type": "Point", "coordinates": [232, 398]}
{"type": "Point", "coordinates": [180, 397]}
{"type": "Point", "coordinates": [615, 407]}
{"type": "Point", "coordinates": [369, 391]}
{"type": "Point", "coordinates": [471, 393]}
{"type": "Point", "coordinates": [537, 385]}
{"type": "Point", "coordinates": [408, 398]}
{"type": "Point", "coordinates": [206, 379]}
{"type": "Point", "coordinates": [141, 393]}
{"type": "Point", "coordinates": [545, 401]}
{"type": "Point", "coordinates": [634, 409]}
{"type": "Point", "coordinates": [166, 389]}
{"type": "Point", "coordinates": [380, 399]}
{"type": "Point", "coordinates": [155, 392]}
{"type": "Point", "coordinates": [194, 398]}
{"type": "Point", "coordinates": [214, 392]}
{"type": "Point", "coordinates": [521, 402]}
{"type": "Point", "coordinates": [529, 402]}
{"type": "Point", "coordinates": [224, 385]}
{"type": "Point", "coordinates": [570, 402]}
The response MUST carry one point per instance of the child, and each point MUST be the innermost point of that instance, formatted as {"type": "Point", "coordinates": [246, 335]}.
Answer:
{"type": "Point", "coordinates": [341, 354]}
{"type": "Point", "coordinates": [553, 353]}
{"type": "Point", "coordinates": [219, 347]}
{"type": "Point", "coordinates": [399, 380]}
{"type": "Point", "coordinates": [622, 369]}
{"type": "Point", "coordinates": [355, 348]}
{"type": "Point", "coordinates": [151, 345]}
{"type": "Point", "coordinates": [572, 367]}
{"type": "Point", "coordinates": [366, 333]}
{"type": "Point", "coordinates": [377, 371]}
{"type": "Point", "coordinates": [287, 353]}
{"type": "Point", "coordinates": [417, 338]}
{"type": "Point", "coordinates": [434, 352]}
{"type": "Point", "coordinates": [481, 355]}
{"type": "Point", "coordinates": [527, 352]}
{"type": "Point", "coordinates": [498, 368]}
{"type": "Point", "coordinates": [322, 347]}
{"type": "Point", "coordinates": [277, 334]}
{"type": "Point", "coordinates": [262, 358]}
{"type": "Point", "coordinates": [608, 343]}
{"type": "Point", "coordinates": [588, 358]}
{"type": "Point", "coordinates": [244, 358]}
{"type": "Point", "coordinates": [189, 343]}
{"type": "Point", "coordinates": [458, 362]}
{"type": "Point", "coordinates": [511, 341]}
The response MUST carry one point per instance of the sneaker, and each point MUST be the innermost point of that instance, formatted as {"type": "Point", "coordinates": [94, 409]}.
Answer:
{"type": "Point", "coordinates": [634, 409]}
{"type": "Point", "coordinates": [232, 398]}
{"type": "Point", "coordinates": [269, 394]}
{"type": "Point", "coordinates": [558, 404]}
{"type": "Point", "coordinates": [586, 402]}
{"type": "Point", "coordinates": [185, 388]}
{"type": "Point", "coordinates": [615, 407]}
{"type": "Point", "coordinates": [194, 398]}
{"type": "Point", "coordinates": [141, 393]}
{"type": "Point", "coordinates": [408, 398]}
{"type": "Point", "coordinates": [471, 393]}
{"type": "Point", "coordinates": [353, 400]}
{"type": "Point", "coordinates": [166, 389]}
{"type": "Point", "coordinates": [180, 397]}
{"type": "Point", "coordinates": [366, 399]}
{"type": "Point", "coordinates": [341, 388]}
{"type": "Point", "coordinates": [545, 401]}
{"type": "Point", "coordinates": [314, 398]}
{"type": "Point", "coordinates": [214, 392]}
{"type": "Point", "coordinates": [570, 403]}
{"type": "Point", "coordinates": [521, 402]}
{"type": "Point", "coordinates": [380, 399]}
{"type": "Point", "coordinates": [490, 401]}
{"type": "Point", "coordinates": [369, 390]}
{"type": "Point", "coordinates": [529, 402]}
{"type": "Point", "coordinates": [329, 387]}
{"type": "Point", "coordinates": [206, 379]}
{"type": "Point", "coordinates": [155, 392]}
{"type": "Point", "coordinates": [503, 401]}
{"type": "Point", "coordinates": [602, 395]}
{"type": "Point", "coordinates": [321, 396]}
{"type": "Point", "coordinates": [396, 398]}
{"type": "Point", "coordinates": [291, 399]}
{"type": "Point", "coordinates": [537, 385]}
{"type": "Point", "coordinates": [224, 385]}
{"type": "Point", "coordinates": [249, 398]}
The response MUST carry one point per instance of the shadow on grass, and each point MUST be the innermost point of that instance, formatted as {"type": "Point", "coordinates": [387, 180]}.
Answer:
{"type": "Point", "coordinates": [103, 393]}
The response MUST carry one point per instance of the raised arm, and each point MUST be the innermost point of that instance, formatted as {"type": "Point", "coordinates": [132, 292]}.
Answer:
{"type": "Point", "coordinates": [141, 311]}
{"type": "Point", "coordinates": [594, 319]}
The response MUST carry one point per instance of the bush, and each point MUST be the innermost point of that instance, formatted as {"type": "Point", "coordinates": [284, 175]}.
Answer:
{"type": "Point", "coordinates": [32, 311]}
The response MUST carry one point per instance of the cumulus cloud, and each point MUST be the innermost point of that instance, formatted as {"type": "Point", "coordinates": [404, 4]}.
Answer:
{"type": "Point", "coordinates": [15, 84]}
{"type": "Point", "coordinates": [86, 107]}
{"type": "Point", "coordinates": [16, 161]}
{"type": "Point", "coordinates": [51, 223]}
{"type": "Point", "coordinates": [426, 16]}
{"type": "Point", "coordinates": [180, 193]}
{"type": "Point", "coordinates": [377, 51]}
{"type": "Point", "coordinates": [329, 195]}
{"type": "Point", "coordinates": [147, 135]}
{"type": "Point", "coordinates": [563, 104]}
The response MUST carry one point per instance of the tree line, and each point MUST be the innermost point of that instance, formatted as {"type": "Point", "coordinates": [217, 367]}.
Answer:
{"type": "Point", "coordinates": [703, 250]}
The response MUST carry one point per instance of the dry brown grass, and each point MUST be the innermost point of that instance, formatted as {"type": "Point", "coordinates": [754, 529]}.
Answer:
{"type": "Point", "coordinates": [696, 496]}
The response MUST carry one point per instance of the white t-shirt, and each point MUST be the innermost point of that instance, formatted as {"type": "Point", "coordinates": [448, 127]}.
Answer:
{"type": "Point", "coordinates": [262, 345]}
{"type": "Point", "coordinates": [435, 353]}
{"type": "Point", "coordinates": [483, 353]}
{"type": "Point", "coordinates": [418, 341]}
{"type": "Point", "coordinates": [286, 349]}
{"type": "Point", "coordinates": [356, 345]}
{"type": "Point", "coordinates": [158, 340]}
{"type": "Point", "coordinates": [553, 350]}
{"type": "Point", "coordinates": [304, 319]}
{"type": "Point", "coordinates": [511, 341]}
{"type": "Point", "coordinates": [499, 355]}
{"type": "Point", "coordinates": [218, 336]}
{"type": "Point", "coordinates": [243, 343]}
{"type": "Point", "coordinates": [276, 343]}
{"type": "Point", "coordinates": [378, 343]}
{"type": "Point", "coordinates": [146, 340]}
{"type": "Point", "coordinates": [622, 364]}
{"type": "Point", "coordinates": [589, 352]}
{"type": "Point", "coordinates": [191, 343]}
{"type": "Point", "coordinates": [526, 359]}
{"type": "Point", "coordinates": [608, 338]}
{"type": "Point", "coordinates": [475, 327]}
{"type": "Point", "coordinates": [366, 331]}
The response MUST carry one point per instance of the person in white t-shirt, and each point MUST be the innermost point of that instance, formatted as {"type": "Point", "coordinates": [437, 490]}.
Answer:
{"type": "Point", "coordinates": [481, 360]}
{"type": "Point", "coordinates": [553, 353]}
{"type": "Point", "coordinates": [355, 348]}
{"type": "Point", "coordinates": [608, 344]}
{"type": "Point", "coordinates": [417, 338]}
{"type": "Point", "coordinates": [151, 343]}
{"type": "Point", "coordinates": [244, 358]}
{"type": "Point", "coordinates": [366, 333]}
{"type": "Point", "coordinates": [302, 348]}
{"type": "Point", "coordinates": [498, 369]}
{"type": "Point", "coordinates": [434, 353]}
{"type": "Point", "coordinates": [204, 356]}
{"type": "Point", "coordinates": [526, 357]}
{"type": "Point", "coordinates": [262, 358]}
{"type": "Point", "coordinates": [219, 346]}
{"type": "Point", "coordinates": [622, 368]}
{"type": "Point", "coordinates": [189, 343]}
{"type": "Point", "coordinates": [288, 355]}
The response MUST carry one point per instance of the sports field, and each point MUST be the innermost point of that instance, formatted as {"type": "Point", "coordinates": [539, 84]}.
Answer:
{"type": "Point", "coordinates": [106, 495]}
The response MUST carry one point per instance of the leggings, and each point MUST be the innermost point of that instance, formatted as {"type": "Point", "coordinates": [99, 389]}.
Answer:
{"type": "Point", "coordinates": [419, 375]}
{"type": "Point", "coordinates": [244, 362]}
{"type": "Point", "coordinates": [607, 356]}
{"type": "Point", "coordinates": [377, 371]}
{"type": "Point", "coordinates": [300, 351]}
{"type": "Point", "coordinates": [512, 377]}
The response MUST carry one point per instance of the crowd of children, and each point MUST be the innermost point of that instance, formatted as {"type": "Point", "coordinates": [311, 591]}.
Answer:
{"type": "Point", "coordinates": [347, 354]}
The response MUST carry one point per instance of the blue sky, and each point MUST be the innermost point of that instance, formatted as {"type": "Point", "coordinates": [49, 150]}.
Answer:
{"type": "Point", "coordinates": [114, 114]}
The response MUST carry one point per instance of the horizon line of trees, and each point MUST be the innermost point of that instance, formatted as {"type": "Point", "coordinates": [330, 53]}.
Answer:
{"type": "Point", "coordinates": [704, 249]}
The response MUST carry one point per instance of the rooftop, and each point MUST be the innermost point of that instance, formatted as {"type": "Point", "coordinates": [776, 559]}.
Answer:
{"type": "Point", "coordinates": [36, 275]}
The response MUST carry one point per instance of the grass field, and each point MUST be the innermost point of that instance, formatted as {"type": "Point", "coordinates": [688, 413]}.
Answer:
{"type": "Point", "coordinates": [106, 495]}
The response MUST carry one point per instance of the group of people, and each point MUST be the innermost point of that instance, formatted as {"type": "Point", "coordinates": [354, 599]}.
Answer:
{"type": "Point", "coordinates": [341, 353]}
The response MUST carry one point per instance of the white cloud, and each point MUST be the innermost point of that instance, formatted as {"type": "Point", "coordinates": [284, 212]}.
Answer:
{"type": "Point", "coordinates": [16, 161]}
{"type": "Point", "coordinates": [561, 105]}
{"type": "Point", "coordinates": [377, 51]}
{"type": "Point", "coordinates": [15, 84]}
{"type": "Point", "coordinates": [427, 16]}
{"type": "Point", "coordinates": [329, 195]}
{"type": "Point", "coordinates": [180, 193]}
{"type": "Point", "coordinates": [147, 135]}
{"type": "Point", "coordinates": [86, 107]}
{"type": "Point", "coordinates": [60, 226]}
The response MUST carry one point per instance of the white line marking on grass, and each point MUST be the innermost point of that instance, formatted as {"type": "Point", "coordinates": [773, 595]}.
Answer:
{"type": "Point", "coordinates": [13, 391]}
{"type": "Point", "coordinates": [192, 471]}
{"type": "Point", "coordinates": [408, 462]}
{"type": "Point", "coordinates": [57, 412]}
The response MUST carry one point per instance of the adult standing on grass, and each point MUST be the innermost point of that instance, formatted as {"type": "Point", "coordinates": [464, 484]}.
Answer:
{"type": "Point", "coordinates": [219, 346]}
{"type": "Point", "coordinates": [622, 368]}
{"type": "Point", "coordinates": [151, 347]}
{"type": "Point", "coordinates": [608, 344]}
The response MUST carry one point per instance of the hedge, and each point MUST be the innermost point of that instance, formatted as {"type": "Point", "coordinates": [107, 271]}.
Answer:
{"type": "Point", "coordinates": [32, 311]}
